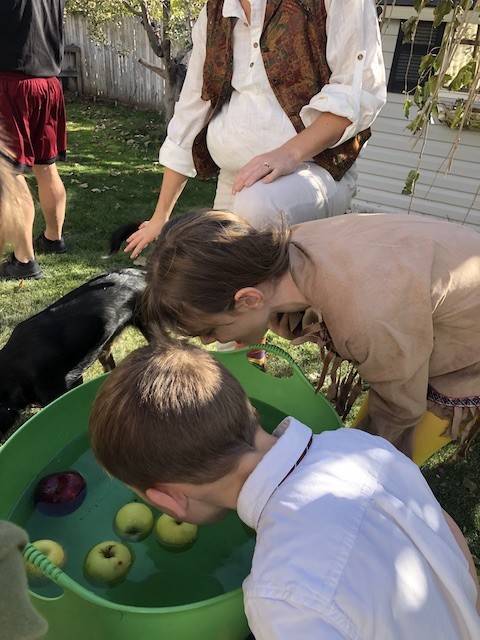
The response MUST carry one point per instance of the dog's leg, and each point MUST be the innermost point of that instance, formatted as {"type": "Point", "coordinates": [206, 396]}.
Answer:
{"type": "Point", "coordinates": [76, 383]}
{"type": "Point", "coordinates": [106, 358]}
{"type": "Point", "coordinates": [120, 234]}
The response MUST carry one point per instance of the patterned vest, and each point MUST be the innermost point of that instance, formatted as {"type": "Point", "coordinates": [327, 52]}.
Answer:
{"type": "Point", "coordinates": [293, 45]}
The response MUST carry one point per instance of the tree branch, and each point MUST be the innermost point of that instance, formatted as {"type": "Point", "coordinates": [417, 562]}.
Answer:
{"type": "Point", "coordinates": [155, 39]}
{"type": "Point", "coordinates": [158, 70]}
{"type": "Point", "coordinates": [132, 9]}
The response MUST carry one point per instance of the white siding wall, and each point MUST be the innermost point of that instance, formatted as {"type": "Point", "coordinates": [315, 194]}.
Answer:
{"type": "Point", "coordinates": [390, 154]}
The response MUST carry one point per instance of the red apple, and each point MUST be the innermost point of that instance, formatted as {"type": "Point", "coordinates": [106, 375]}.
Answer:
{"type": "Point", "coordinates": [59, 494]}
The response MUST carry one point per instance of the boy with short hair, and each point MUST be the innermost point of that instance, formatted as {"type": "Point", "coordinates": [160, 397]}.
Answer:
{"type": "Point", "coordinates": [351, 543]}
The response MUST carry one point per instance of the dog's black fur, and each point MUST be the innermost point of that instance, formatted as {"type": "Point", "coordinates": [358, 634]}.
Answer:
{"type": "Point", "coordinates": [47, 354]}
{"type": "Point", "coordinates": [120, 234]}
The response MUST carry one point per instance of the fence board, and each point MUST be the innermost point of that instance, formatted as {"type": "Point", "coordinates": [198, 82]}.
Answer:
{"type": "Point", "coordinates": [112, 70]}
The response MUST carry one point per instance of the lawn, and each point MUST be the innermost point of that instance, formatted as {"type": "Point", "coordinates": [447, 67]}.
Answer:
{"type": "Point", "coordinates": [112, 176]}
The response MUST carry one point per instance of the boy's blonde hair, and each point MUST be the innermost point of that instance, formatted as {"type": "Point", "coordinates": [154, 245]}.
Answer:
{"type": "Point", "coordinates": [170, 412]}
{"type": "Point", "coordinates": [199, 262]}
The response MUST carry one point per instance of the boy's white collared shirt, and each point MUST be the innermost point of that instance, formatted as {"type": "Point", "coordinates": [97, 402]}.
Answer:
{"type": "Point", "coordinates": [351, 544]}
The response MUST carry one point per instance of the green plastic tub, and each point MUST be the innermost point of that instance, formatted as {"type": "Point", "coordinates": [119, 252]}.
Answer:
{"type": "Point", "coordinates": [190, 595]}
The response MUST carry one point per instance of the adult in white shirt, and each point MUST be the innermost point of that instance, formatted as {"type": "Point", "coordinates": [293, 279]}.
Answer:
{"type": "Point", "coordinates": [265, 165]}
{"type": "Point", "coordinates": [351, 543]}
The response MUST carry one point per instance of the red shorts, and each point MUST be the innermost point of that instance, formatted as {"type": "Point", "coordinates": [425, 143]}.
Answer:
{"type": "Point", "coordinates": [32, 113]}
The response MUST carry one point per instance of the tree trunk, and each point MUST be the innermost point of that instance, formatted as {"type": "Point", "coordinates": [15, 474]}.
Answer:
{"type": "Point", "coordinates": [173, 78]}
{"type": "Point", "coordinates": [173, 70]}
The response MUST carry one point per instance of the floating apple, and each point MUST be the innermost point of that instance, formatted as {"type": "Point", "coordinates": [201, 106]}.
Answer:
{"type": "Point", "coordinates": [133, 521]}
{"type": "Point", "coordinates": [53, 551]}
{"type": "Point", "coordinates": [174, 534]}
{"type": "Point", "coordinates": [58, 494]}
{"type": "Point", "coordinates": [108, 563]}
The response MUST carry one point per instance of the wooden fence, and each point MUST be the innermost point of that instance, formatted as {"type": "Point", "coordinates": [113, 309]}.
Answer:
{"type": "Point", "coordinates": [111, 71]}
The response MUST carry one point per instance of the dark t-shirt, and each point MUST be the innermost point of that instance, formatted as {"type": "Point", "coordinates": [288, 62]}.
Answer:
{"type": "Point", "coordinates": [31, 36]}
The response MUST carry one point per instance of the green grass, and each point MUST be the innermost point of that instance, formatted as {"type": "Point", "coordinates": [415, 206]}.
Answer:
{"type": "Point", "coordinates": [112, 176]}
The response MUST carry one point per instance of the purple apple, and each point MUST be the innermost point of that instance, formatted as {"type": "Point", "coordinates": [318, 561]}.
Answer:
{"type": "Point", "coordinates": [59, 494]}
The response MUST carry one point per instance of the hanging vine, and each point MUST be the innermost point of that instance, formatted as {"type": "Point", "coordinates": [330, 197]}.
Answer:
{"type": "Point", "coordinates": [424, 102]}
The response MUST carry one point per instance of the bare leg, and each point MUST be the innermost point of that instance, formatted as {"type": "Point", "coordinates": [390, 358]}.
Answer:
{"type": "Point", "coordinates": [22, 240]}
{"type": "Point", "coordinates": [52, 196]}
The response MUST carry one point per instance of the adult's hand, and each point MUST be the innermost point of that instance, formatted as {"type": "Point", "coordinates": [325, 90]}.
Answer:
{"type": "Point", "coordinates": [322, 133]}
{"type": "Point", "coordinates": [147, 233]}
{"type": "Point", "coordinates": [266, 167]}
{"type": "Point", "coordinates": [172, 186]}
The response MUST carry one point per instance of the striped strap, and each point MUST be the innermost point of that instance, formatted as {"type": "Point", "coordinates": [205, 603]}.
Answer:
{"type": "Point", "coordinates": [439, 398]}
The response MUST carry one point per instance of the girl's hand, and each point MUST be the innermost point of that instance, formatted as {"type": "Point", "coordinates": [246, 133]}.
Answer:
{"type": "Point", "coordinates": [266, 167]}
{"type": "Point", "coordinates": [147, 233]}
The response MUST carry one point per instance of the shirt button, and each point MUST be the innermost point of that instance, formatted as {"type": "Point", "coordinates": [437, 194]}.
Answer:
{"type": "Point", "coordinates": [255, 44]}
{"type": "Point", "coordinates": [360, 56]}
{"type": "Point", "coordinates": [251, 64]}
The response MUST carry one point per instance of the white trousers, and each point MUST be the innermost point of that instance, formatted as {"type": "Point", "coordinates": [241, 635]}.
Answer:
{"type": "Point", "coordinates": [309, 193]}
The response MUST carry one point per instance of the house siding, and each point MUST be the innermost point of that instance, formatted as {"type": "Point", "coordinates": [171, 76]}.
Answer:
{"type": "Point", "coordinates": [447, 188]}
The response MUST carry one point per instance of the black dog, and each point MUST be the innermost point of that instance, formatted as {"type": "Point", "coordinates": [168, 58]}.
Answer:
{"type": "Point", "coordinates": [47, 354]}
{"type": "Point", "coordinates": [120, 234]}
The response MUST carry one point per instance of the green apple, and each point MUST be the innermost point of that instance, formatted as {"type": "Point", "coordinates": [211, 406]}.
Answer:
{"type": "Point", "coordinates": [53, 551]}
{"type": "Point", "coordinates": [108, 562]}
{"type": "Point", "coordinates": [173, 533]}
{"type": "Point", "coordinates": [133, 521]}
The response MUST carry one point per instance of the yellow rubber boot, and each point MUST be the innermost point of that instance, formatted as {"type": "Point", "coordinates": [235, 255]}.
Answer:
{"type": "Point", "coordinates": [428, 437]}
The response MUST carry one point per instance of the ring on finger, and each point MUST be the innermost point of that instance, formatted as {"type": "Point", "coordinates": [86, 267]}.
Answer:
{"type": "Point", "coordinates": [266, 164]}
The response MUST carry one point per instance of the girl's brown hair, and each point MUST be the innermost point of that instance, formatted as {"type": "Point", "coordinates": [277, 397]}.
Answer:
{"type": "Point", "coordinates": [170, 412]}
{"type": "Point", "coordinates": [201, 259]}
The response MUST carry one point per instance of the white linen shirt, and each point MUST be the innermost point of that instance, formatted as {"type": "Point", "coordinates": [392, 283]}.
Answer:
{"type": "Point", "coordinates": [351, 544]}
{"type": "Point", "coordinates": [252, 122]}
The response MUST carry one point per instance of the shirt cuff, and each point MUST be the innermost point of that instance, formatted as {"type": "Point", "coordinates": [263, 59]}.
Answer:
{"type": "Point", "coordinates": [342, 103]}
{"type": "Point", "coordinates": [349, 100]}
{"type": "Point", "coordinates": [177, 158]}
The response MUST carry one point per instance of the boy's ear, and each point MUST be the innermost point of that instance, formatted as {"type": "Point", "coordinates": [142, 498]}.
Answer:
{"type": "Point", "coordinates": [248, 298]}
{"type": "Point", "coordinates": [169, 499]}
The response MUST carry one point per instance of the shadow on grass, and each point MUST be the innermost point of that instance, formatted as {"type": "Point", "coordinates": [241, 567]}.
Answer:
{"type": "Point", "coordinates": [456, 485]}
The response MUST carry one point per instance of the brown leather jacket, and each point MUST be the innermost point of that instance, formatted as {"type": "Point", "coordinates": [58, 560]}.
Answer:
{"type": "Point", "coordinates": [293, 45]}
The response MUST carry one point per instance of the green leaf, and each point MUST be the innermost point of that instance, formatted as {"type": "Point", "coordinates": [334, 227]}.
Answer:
{"type": "Point", "coordinates": [417, 123]}
{"type": "Point", "coordinates": [447, 78]}
{"type": "Point", "coordinates": [418, 96]}
{"type": "Point", "coordinates": [418, 5]}
{"type": "Point", "coordinates": [406, 107]}
{"type": "Point", "coordinates": [409, 28]}
{"type": "Point", "coordinates": [426, 92]}
{"type": "Point", "coordinates": [458, 115]}
{"type": "Point", "coordinates": [426, 63]}
{"type": "Point", "coordinates": [433, 83]}
{"type": "Point", "coordinates": [441, 10]}
{"type": "Point", "coordinates": [464, 77]}
{"type": "Point", "coordinates": [410, 182]}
